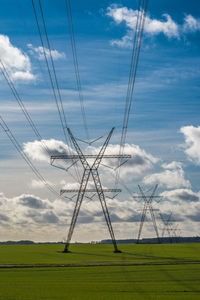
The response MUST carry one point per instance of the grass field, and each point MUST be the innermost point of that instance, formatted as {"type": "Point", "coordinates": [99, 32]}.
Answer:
{"type": "Point", "coordinates": [112, 277]}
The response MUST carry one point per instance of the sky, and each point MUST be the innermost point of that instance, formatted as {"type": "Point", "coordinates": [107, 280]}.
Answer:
{"type": "Point", "coordinates": [163, 134]}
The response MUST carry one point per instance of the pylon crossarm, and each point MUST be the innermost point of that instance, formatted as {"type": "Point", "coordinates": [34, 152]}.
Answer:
{"type": "Point", "coordinates": [153, 193]}
{"type": "Point", "coordinates": [89, 191]}
{"type": "Point", "coordinates": [146, 196]}
{"type": "Point", "coordinates": [148, 200]}
{"type": "Point", "coordinates": [89, 156]}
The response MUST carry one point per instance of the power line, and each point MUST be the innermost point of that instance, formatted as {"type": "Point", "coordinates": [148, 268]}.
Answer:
{"type": "Point", "coordinates": [142, 9]}
{"type": "Point", "coordinates": [58, 100]}
{"type": "Point", "coordinates": [49, 71]}
{"type": "Point", "coordinates": [21, 104]}
{"type": "Point", "coordinates": [56, 81]}
{"type": "Point", "coordinates": [76, 65]}
{"type": "Point", "coordinates": [25, 157]}
{"type": "Point", "coordinates": [134, 64]}
{"type": "Point", "coordinates": [23, 108]}
{"type": "Point", "coordinates": [53, 66]}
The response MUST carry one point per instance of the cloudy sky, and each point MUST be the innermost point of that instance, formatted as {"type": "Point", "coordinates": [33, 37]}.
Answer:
{"type": "Point", "coordinates": [164, 131]}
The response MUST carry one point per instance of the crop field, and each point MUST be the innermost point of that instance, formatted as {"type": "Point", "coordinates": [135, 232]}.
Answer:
{"type": "Point", "coordinates": [94, 272]}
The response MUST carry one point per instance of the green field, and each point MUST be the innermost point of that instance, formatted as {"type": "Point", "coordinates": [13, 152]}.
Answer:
{"type": "Point", "coordinates": [95, 272]}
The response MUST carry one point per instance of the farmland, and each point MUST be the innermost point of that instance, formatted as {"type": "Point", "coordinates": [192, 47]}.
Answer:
{"type": "Point", "coordinates": [94, 272]}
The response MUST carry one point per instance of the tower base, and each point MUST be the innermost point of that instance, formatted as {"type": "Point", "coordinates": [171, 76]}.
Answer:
{"type": "Point", "coordinates": [117, 251]}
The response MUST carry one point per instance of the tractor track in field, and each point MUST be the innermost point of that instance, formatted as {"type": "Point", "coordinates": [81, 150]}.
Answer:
{"type": "Point", "coordinates": [16, 266]}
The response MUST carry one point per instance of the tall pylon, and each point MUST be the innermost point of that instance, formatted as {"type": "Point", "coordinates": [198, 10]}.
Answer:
{"type": "Point", "coordinates": [90, 170]}
{"type": "Point", "coordinates": [147, 208]}
{"type": "Point", "coordinates": [169, 228]}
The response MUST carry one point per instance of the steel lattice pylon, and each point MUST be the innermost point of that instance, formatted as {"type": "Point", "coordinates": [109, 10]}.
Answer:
{"type": "Point", "coordinates": [90, 171]}
{"type": "Point", "coordinates": [148, 208]}
{"type": "Point", "coordinates": [168, 227]}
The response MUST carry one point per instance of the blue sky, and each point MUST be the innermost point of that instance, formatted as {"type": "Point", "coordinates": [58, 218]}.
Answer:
{"type": "Point", "coordinates": [164, 121]}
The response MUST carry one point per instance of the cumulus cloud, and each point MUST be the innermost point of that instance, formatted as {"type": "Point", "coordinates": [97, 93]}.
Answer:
{"type": "Point", "coordinates": [4, 218]}
{"type": "Point", "coordinates": [39, 54]}
{"type": "Point", "coordinates": [43, 218]}
{"type": "Point", "coordinates": [185, 205]}
{"type": "Point", "coordinates": [191, 24]}
{"type": "Point", "coordinates": [174, 177]}
{"type": "Point", "coordinates": [152, 26]}
{"type": "Point", "coordinates": [36, 149]}
{"type": "Point", "coordinates": [192, 140]}
{"type": "Point", "coordinates": [36, 184]}
{"type": "Point", "coordinates": [26, 220]}
{"type": "Point", "coordinates": [166, 25]}
{"type": "Point", "coordinates": [16, 62]}
{"type": "Point", "coordinates": [76, 185]}
{"type": "Point", "coordinates": [172, 165]}
{"type": "Point", "coordinates": [186, 195]}
{"type": "Point", "coordinates": [140, 160]}
{"type": "Point", "coordinates": [33, 202]}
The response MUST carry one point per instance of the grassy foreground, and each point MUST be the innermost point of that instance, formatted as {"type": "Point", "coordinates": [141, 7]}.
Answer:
{"type": "Point", "coordinates": [100, 282]}
{"type": "Point", "coordinates": [101, 254]}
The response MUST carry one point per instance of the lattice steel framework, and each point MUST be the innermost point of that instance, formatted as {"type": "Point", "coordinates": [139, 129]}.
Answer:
{"type": "Point", "coordinates": [169, 228]}
{"type": "Point", "coordinates": [90, 170]}
{"type": "Point", "coordinates": [148, 208]}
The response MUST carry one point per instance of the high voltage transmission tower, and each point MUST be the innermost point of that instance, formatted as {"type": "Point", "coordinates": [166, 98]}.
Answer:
{"type": "Point", "coordinates": [90, 170]}
{"type": "Point", "coordinates": [169, 228]}
{"type": "Point", "coordinates": [147, 208]}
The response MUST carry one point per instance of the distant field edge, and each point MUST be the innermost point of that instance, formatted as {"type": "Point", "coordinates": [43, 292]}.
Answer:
{"type": "Point", "coordinates": [14, 266]}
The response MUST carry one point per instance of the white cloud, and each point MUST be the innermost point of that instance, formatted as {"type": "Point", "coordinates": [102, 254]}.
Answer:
{"type": "Point", "coordinates": [16, 62]}
{"type": "Point", "coordinates": [31, 217]}
{"type": "Point", "coordinates": [36, 150]}
{"type": "Point", "coordinates": [125, 41]}
{"type": "Point", "coordinates": [36, 184]}
{"type": "Point", "coordinates": [172, 165]}
{"type": "Point", "coordinates": [166, 25]}
{"type": "Point", "coordinates": [70, 185]}
{"type": "Point", "coordinates": [32, 201]}
{"type": "Point", "coordinates": [186, 195]}
{"type": "Point", "coordinates": [172, 178]}
{"type": "Point", "coordinates": [192, 140]}
{"type": "Point", "coordinates": [38, 52]}
{"type": "Point", "coordinates": [140, 160]}
{"type": "Point", "coordinates": [152, 26]}
{"type": "Point", "coordinates": [191, 24]}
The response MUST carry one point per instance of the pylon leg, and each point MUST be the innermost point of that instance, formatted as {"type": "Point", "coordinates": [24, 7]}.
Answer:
{"type": "Point", "coordinates": [102, 200]}
{"type": "Point", "coordinates": [79, 200]}
{"type": "Point", "coordinates": [142, 222]}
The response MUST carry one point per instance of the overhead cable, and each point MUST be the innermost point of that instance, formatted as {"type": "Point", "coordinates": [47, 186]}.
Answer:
{"type": "Point", "coordinates": [25, 157]}
{"type": "Point", "coordinates": [55, 86]}
{"type": "Point", "coordinates": [137, 40]}
{"type": "Point", "coordinates": [76, 65]}
{"type": "Point", "coordinates": [49, 72]}
{"type": "Point", "coordinates": [23, 108]}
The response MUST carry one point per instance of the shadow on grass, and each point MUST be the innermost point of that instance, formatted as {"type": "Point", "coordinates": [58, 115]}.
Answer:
{"type": "Point", "coordinates": [124, 256]}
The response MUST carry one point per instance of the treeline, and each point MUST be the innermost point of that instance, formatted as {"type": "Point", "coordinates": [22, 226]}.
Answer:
{"type": "Point", "coordinates": [165, 240]}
